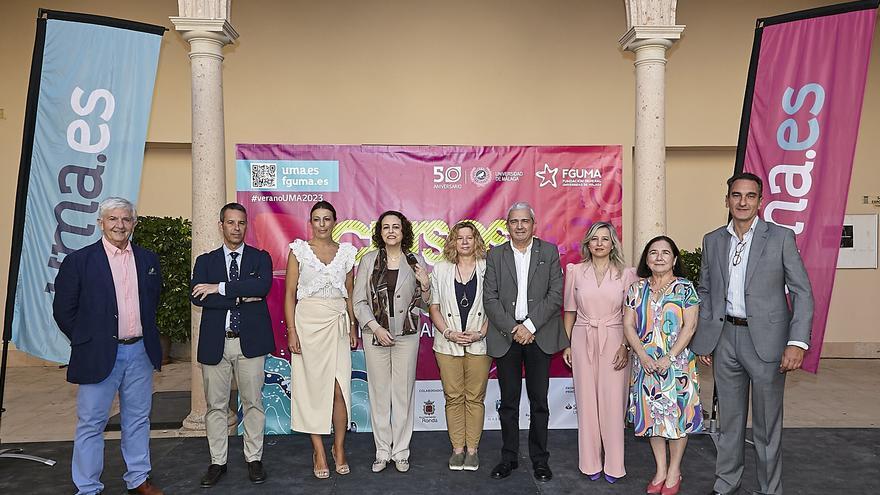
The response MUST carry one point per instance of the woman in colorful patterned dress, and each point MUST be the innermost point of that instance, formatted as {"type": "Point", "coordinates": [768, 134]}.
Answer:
{"type": "Point", "coordinates": [659, 321]}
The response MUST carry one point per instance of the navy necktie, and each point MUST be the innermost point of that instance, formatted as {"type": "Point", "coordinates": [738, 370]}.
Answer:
{"type": "Point", "coordinates": [235, 313]}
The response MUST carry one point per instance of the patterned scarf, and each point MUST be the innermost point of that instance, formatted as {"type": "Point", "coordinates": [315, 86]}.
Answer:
{"type": "Point", "coordinates": [379, 292]}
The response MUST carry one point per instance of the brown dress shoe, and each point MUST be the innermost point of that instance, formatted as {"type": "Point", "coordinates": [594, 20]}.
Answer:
{"type": "Point", "coordinates": [147, 488]}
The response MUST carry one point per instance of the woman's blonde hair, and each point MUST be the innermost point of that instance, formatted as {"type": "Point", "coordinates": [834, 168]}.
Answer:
{"type": "Point", "coordinates": [616, 254]}
{"type": "Point", "coordinates": [449, 251]}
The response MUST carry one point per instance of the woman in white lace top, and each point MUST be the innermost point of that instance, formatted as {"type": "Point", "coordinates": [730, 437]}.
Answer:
{"type": "Point", "coordinates": [320, 333]}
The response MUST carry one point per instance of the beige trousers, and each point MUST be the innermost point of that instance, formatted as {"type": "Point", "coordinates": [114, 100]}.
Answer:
{"type": "Point", "coordinates": [218, 382]}
{"type": "Point", "coordinates": [464, 381]}
{"type": "Point", "coordinates": [391, 376]}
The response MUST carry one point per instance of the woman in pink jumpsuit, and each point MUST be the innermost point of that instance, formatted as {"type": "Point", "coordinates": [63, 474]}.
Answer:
{"type": "Point", "coordinates": [598, 356]}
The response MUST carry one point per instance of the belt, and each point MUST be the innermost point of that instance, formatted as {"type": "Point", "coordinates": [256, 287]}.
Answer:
{"type": "Point", "coordinates": [601, 332]}
{"type": "Point", "coordinates": [520, 322]}
{"type": "Point", "coordinates": [133, 340]}
{"type": "Point", "coordinates": [231, 335]}
{"type": "Point", "coordinates": [740, 322]}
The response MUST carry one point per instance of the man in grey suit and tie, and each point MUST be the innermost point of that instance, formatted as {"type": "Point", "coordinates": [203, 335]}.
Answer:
{"type": "Point", "coordinates": [522, 295]}
{"type": "Point", "coordinates": [750, 331]}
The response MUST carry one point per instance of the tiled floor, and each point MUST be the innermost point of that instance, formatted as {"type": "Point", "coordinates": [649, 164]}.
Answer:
{"type": "Point", "coordinates": [40, 404]}
{"type": "Point", "coordinates": [842, 395]}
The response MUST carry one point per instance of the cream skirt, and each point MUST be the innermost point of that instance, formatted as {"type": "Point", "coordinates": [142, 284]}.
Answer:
{"type": "Point", "coordinates": [322, 326]}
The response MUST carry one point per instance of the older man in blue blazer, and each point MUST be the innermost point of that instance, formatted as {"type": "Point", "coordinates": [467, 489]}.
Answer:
{"type": "Point", "coordinates": [106, 295]}
{"type": "Point", "coordinates": [230, 284]}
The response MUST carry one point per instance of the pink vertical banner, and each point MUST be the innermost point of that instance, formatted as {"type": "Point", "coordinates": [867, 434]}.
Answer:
{"type": "Point", "coordinates": [799, 129]}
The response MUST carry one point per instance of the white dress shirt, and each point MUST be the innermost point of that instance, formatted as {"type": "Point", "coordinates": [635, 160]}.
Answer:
{"type": "Point", "coordinates": [522, 261]}
{"type": "Point", "coordinates": [221, 287]}
{"type": "Point", "coordinates": [736, 298]}
{"type": "Point", "coordinates": [736, 289]}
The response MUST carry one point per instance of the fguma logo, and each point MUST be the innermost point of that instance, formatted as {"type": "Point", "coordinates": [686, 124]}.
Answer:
{"type": "Point", "coordinates": [568, 177]}
{"type": "Point", "coordinates": [547, 176]}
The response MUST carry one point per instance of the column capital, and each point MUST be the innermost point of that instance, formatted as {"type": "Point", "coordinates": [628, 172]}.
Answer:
{"type": "Point", "coordinates": [650, 20]}
{"type": "Point", "coordinates": [217, 29]}
{"type": "Point", "coordinates": [639, 36]}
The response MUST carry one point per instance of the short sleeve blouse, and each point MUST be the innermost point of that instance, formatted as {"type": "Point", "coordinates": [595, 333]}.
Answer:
{"type": "Point", "coordinates": [666, 314]}
{"type": "Point", "coordinates": [317, 279]}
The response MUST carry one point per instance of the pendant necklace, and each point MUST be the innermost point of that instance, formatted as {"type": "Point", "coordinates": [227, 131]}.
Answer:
{"type": "Point", "coordinates": [464, 302]}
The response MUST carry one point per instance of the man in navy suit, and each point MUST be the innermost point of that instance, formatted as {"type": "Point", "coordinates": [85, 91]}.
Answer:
{"type": "Point", "coordinates": [106, 295]}
{"type": "Point", "coordinates": [230, 284]}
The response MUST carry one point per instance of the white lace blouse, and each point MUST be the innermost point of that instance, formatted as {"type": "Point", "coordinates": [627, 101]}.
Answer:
{"type": "Point", "coordinates": [317, 279]}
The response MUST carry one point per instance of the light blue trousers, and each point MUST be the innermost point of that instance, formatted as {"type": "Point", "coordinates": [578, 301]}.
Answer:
{"type": "Point", "coordinates": [132, 377]}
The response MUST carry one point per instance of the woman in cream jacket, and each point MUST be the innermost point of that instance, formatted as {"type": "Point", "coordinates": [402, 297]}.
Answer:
{"type": "Point", "coordinates": [459, 340]}
{"type": "Point", "coordinates": [391, 289]}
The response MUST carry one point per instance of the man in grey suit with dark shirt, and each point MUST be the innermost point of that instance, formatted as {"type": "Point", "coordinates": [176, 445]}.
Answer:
{"type": "Point", "coordinates": [522, 295]}
{"type": "Point", "coordinates": [750, 331]}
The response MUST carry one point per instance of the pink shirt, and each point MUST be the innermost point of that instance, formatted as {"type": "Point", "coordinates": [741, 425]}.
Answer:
{"type": "Point", "coordinates": [125, 281]}
{"type": "Point", "coordinates": [598, 307]}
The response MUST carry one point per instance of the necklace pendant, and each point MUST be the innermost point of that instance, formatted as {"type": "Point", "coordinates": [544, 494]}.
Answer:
{"type": "Point", "coordinates": [464, 302]}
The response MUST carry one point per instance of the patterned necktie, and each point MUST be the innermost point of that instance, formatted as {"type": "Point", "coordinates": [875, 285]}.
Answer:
{"type": "Point", "coordinates": [235, 313]}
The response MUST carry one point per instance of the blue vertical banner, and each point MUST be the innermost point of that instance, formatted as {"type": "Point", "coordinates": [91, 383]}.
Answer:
{"type": "Point", "coordinates": [89, 102]}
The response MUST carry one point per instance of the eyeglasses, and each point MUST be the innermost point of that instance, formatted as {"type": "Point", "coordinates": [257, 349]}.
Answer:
{"type": "Point", "coordinates": [737, 254]}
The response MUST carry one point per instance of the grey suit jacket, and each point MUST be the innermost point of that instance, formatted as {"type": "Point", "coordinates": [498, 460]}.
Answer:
{"type": "Point", "coordinates": [773, 264]}
{"type": "Point", "coordinates": [403, 294]}
{"type": "Point", "coordinates": [544, 297]}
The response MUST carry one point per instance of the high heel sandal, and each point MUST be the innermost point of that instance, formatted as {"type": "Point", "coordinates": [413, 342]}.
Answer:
{"type": "Point", "coordinates": [340, 468]}
{"type": "Point", "coordinates": [321, 474]}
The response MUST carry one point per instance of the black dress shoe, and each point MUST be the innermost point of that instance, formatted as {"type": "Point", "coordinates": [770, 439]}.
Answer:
{"type": "Point", "coordinates": [542, 472]}
{"type": "Point", "coordinates": [256, 472]}
{"type": "Point", "coordinates": [215, 472]}
{"type": "Point", "coordinates": [503, 469]}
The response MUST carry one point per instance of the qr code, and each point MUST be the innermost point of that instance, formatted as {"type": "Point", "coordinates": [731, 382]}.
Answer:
{"type": "Point", "coordinates": [264, 176]}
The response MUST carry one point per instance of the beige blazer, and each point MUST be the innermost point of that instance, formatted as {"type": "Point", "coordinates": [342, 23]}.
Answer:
{"type": "Point", "coordinates": [443, 294]}
{"type": "Point", "coordinates": [403, 294]}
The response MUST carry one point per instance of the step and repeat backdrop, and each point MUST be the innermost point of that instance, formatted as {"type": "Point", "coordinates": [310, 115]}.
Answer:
{"type": "Point", "coordinates": [570, 187]}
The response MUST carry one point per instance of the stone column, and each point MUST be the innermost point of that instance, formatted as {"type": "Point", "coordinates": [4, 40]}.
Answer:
{"type": "Point", "coordinates": [651, 30]}
{"type": "Point", "coordinates": [205, 25]}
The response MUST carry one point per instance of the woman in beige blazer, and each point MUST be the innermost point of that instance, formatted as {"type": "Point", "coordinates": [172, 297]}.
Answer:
{"type": "Point", "coordinates": [390, 291]}
{"type": "Point", "coordinates": [459, 340]}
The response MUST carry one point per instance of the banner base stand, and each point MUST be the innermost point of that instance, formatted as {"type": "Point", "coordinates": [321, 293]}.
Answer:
{"type": "Point", "coordinates": [18, 454]}
{"type": "Point", "coordinates": [12, 453]}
